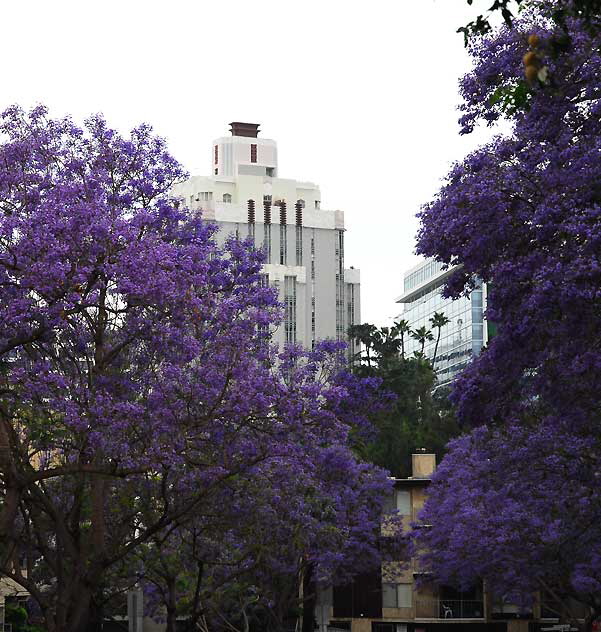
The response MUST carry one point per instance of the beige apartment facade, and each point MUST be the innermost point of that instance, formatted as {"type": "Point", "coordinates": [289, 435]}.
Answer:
{"type": "Point", "coordinates": [397, 599]}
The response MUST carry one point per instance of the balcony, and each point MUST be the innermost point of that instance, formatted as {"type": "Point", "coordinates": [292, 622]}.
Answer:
{"type": "Point", "coordinates": [449, 609]}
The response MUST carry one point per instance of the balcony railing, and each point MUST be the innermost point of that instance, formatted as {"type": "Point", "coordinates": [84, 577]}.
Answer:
{"type": "Point", "coordinates": [449, 609]}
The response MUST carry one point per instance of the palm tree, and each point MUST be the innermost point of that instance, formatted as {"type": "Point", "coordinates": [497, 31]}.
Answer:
{"type": "Point", "coordinates": [439, 320]}
{"type": "Point", "coordinates": [367, 335]}
{"type": "Point", "coordinates": [386, 347]}
{"type": "Point", "coordinates": [402, 327]}
{"type": "Point", "coordinates": [421, 334]}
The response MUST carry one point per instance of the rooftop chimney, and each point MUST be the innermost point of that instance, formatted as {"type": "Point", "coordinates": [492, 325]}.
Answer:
{"type": "Point", "coordinates": [250, 130]}
{"type": "Point", "coordinates": [423, 465]}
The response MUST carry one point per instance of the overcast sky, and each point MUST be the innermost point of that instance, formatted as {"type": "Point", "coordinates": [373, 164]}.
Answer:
{"type": "Point", "coordinates": [360, 96]}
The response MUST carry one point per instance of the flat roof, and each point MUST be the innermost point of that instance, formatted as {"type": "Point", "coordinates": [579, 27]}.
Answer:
{"type": "Point", "coordinates": [408, 296]}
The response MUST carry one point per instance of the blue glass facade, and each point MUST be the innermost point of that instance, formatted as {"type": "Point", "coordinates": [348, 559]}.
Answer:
{"type": "Point", "coordinates": [462, 338]}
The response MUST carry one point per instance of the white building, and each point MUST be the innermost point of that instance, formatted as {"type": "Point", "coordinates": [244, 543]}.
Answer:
{"type": "Point", "coordinates": [466, 333]}
{"type": "Point", "coordinates": [303, 243]}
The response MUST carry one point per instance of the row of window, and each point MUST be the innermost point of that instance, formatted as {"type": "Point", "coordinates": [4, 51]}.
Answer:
{"type": "Point", "coordinates": [339, 257]}
{"type": "Point", "coordinates": [428, 270]}
{"type": "Point", "coordinates": [350, 319]}
{"type": "Point", "coordinates": [290, 309]}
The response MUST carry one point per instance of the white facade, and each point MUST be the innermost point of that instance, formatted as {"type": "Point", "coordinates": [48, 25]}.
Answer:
{"type": "Point", "coordinates": [303, 243]}
{"type": "Point", "coordinates": [466, 333]}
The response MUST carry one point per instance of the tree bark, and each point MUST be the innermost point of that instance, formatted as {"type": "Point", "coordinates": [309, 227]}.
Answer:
{"type": "Point", "coordinates": [436, 347]}
{"type": "Point", "coordinates": [79, 618]}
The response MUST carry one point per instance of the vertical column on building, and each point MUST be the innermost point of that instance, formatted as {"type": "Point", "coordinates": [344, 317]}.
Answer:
{"type": "Point", "coordinates": [267, 227]}
{"type": "Point", "coordinates": [350, 319]}
{"type": "Point", "coordinates": [263, 328]}
{"type": "Point", "coordinates": [251, 219]}
{"type": "Point", "coordinates": [340, 330]}
{"type": "Point", "coordinates": [299, 232]}
{"type": "Point", "coordinates": [312, 288]}
{"type": "Point", "coordinates": [283, 234]}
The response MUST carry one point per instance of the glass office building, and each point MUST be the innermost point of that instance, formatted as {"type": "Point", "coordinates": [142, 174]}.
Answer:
{"type": "Point", "coordinates": [462, 338]}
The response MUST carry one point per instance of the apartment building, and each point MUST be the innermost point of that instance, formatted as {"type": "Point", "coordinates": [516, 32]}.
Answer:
{"type": "Point", "coordinates": [392, 599]}
{"type": "Point", "coordinates": [303, 242]}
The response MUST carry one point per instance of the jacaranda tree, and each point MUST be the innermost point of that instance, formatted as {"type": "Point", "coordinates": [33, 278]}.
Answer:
{"type": "Point", "coordinates": [517, 502]}
{"type": "Point", "coordinates": [255, 558]}
{"type": "Point", "coordinates": [133, 386]}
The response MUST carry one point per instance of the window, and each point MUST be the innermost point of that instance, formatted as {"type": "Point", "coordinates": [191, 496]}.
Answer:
{"type": "Point", "coordinates": [267, 242]}
{"type": "Point", "coordinates": [216, 171]}
{"type": "Point", "coordinates": [290, 309]}
{"type": "Point", "coordinates": [403, 502]}
{"type": "Point", "coordinates": [262, 328]}
{"type": "Point", "coordinates": [389, 596]}
{"type": "Point", "coordinates": [269, 172]}
{"type": "Point", "coordinates": [216, 154]}
{"type": "Point", "coordinates": [317, 203]}
{"type": "Point", "coordinates": [397, 595]}
{"type": "Point", "coordinates": [204, 196]}
{"type": "Point", "coordinates": [299, 245]}
{"type": "Point", "coordinates": [227, 198]}
{"type": "Point", "coordinates": [283, 245]}
{"type": "Point", "coordinates": [405, 595]}
{"type": "Point", "coordinates": [350, 319]}
{"type": "Point", "coordinates": [301, 203]}
{"type": "Point", "coordinates": [253, 153]}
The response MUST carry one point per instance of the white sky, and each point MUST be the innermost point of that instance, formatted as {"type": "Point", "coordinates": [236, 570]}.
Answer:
{"type": "Point", "coordinates": [360, 96]}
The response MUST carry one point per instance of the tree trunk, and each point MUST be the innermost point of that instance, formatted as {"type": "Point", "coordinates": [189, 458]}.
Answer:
{"type": "Point", "coordinates": [79, 618]}
{"type": "Point", "coordinates": [10, 505]}
{"type": "Point", "coordinates": [308, 600]}
{"type": "Point", "coordinates": [436, 347]}
{"type": "Point", "coordinates": [171, 606]}
{"type": "Point", "coordinates": [587, 625]}
{"type": "Point", "coordinates": [171, 620]}
{"type": "Point", "coordinates": [96, 618]}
